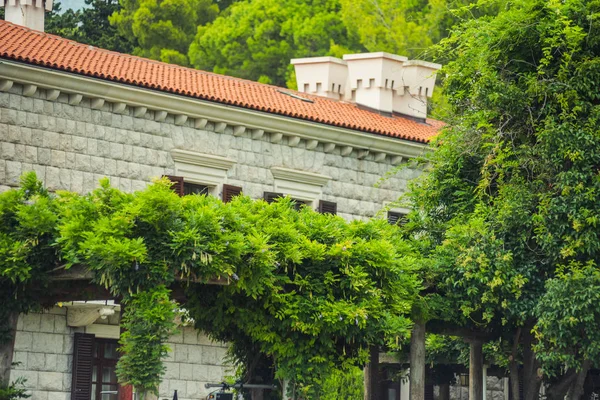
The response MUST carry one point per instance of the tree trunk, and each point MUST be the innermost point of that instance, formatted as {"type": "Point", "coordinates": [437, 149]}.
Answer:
{"type": "Point", "coordinates": [7, 349]}
{"type": "Point", "coordinates": [417, 361]}
{"type": "Point", "coordinates": [444, 391]}
{"type": "Point", "coordinates": [576, 390]}
{"type": "Point", "coordinates": [532, 380]}
{"type": "Point", "coordinates": [476, 370]}
{"type": "Point", "coordinates": [372, 387]}
{"type": "Point", "coordinates": [257, 394]}
{"type": "Point", "coordinates": [559, 389]}
{"type": "Point", "coordinates": [514, 367]}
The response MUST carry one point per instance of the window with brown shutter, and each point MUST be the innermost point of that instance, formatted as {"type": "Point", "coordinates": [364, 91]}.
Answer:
{"type": "Point", "coordinates": [183, 188]}
{"type": "Point", "coordinates": [83, 362]}
{"type": "Point", "coordinates": [230, 191]}
{"type": "Point", "coordinates": [327, 207]}
{"type": "Point", "coordinates": [177, 184]}
{"type": "Point", "coordinates": [396, 218]}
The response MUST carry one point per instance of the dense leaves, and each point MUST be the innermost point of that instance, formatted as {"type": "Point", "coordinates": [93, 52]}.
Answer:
{"type": "Point", "coordinates": [308, 292]}
{"type": "Point", "coordinates": [256, 39]}
{"type": "Point", "coordinates": [508, 213]}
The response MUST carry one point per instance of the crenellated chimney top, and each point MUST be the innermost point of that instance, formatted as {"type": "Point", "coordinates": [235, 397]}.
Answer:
{"type": "Point", "coordinates": [28, 13]}
{"type": "Point", "coordinates": [384, 82]}
{"type": "Point", "coordinates": [323, 76]}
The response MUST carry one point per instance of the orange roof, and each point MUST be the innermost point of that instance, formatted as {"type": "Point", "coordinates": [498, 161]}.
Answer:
{"type": "Point", "coordinates": [21, 44]}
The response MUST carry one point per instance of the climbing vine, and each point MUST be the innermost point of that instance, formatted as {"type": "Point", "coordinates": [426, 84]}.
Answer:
{"type": "Point", "coordinates": [308, 292]}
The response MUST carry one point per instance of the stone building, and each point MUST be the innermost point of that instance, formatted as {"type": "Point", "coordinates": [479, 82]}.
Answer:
{"type": "Point", "coordinates": [74, 114]}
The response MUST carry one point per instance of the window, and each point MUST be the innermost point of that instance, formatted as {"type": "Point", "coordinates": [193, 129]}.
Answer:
{"type": "Point", "coordinates": [298, 204]}
{"type": "Point", "coordinates": [396, 218]}
{"type": "Point", "coordinates": [104, 377]}
{"type": "Point", "coordinates": [94, 368]}
{"type": "Point", "coordinates": [203, 173]}
{"type": "Point", "coordinates": [305, 187]}
{"type": "Point", "coordinates": [229, 192]}
{"type": "Point", "coordinates": [192, 188]}
{"type": "Point", "coordinates": [327, 207]}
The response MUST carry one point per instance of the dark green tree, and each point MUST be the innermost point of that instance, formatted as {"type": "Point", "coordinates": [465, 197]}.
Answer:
{"type": "Point", "coordinates": [507, 214]}
{"type": "Point", "coordinates": [162, 30]}
{"type": "Point", "coordinates": [256, 39]}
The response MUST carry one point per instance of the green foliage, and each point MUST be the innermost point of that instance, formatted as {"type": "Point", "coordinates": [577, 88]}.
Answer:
{"type": "Point", "coordinates": [568, 311]}
{"type": "Point", "coordinates": [344, 384]}
{"type": "Point", "coordinates": [148, 323]}
{"type": "Point", "coordinates": [256, 39]}
{"type": "Point", "coordinates": [89, 25]}
{"type": "Point", "coordinates": [309, 292]}
{"type": "Point", "coordinates": [163, 30]}
{"type": "Point", "coordinates": [14, 391]}
{"type": "Point", "coordinates": [328, 289]}
{"type": "Point", "coordinates": [507, 214]}
{"type": "Point", "coordinates": [399, 26]}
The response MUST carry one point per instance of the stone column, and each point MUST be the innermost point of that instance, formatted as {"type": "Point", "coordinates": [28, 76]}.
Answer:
{"type": "Point", "coordinates": [417, 361]}
{"type": "Point", "coordinates": [372, 388]}
{"type": "Point", "coordinates": [476, 370]}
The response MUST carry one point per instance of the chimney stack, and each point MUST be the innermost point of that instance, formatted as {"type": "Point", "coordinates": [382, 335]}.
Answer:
{"type": "Point", "coordinates": [417, 83]}
{"type": "Point", "coordinates": [28, 13]}
{"type": "Point", "coordinates": [384, 82]}
{"type": "Point", "coordinates": [323, 76]}
{"type": "Point", "coordinates": [374, 77]}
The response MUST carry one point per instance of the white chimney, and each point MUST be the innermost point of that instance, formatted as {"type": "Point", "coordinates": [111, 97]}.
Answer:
{"type": "Point", "coordinates": [381, 81]}
{"type": "Point", "coordinates": [323, 76]}
{"type": "Point", "coordinates": [374, 77]}
{"type": "Point", "coordinates": [416, 86]}
{"type": "Point", "coordinates": [28, 13]}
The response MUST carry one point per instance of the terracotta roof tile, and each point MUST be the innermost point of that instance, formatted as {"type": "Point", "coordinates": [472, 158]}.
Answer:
{"type": "Point", "coordinates": [33, 47]}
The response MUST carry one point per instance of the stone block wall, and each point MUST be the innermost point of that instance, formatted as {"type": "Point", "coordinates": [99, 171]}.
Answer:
{"type": "Point", "coordinates": [44, 357]}
{"type": "Point", "coordinates": [71, 147]}
{"type": "Point", "coordinates": [494, 390]}
{"type": "Point", "coordinates": [43, 353]}
{"type": "Point", "coordinates": [194, 360]}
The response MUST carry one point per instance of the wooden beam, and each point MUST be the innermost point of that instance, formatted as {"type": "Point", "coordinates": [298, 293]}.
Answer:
{"type": "Point", "coordinates": [80, 273]}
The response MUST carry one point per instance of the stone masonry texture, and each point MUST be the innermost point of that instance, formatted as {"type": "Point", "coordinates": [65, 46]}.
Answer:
{"type": "Point", "coordinates": [72, 147]}
{"type": "Point", "coordinates": [44, 357]}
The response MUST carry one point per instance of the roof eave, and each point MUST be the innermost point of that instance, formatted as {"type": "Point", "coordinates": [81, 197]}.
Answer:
{"type": "Point", "coordinates": [69, 82]}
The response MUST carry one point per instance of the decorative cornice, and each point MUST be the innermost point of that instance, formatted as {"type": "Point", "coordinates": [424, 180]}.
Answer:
{"type": "Point", "coordinates": [203, 160]}
{"type": "Point", "coordinates": [309, 178]}
{"type": "Point", "coordinates": [122, 95]}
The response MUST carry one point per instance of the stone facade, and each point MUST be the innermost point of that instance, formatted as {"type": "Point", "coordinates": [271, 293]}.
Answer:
{"type": "Point", "coordinates": [43, 353]}
{"type": "Point", "coordinates": [44, 357]}
{"type": "Point", "coordinates": [495, 390]}
{"type": "Point", "coordinates": [71, 147]}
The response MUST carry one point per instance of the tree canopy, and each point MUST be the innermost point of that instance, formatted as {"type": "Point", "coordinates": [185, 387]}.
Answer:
{"type": "Point", "coordinates": [507, 215]}
{"type": "Point", "coordinates": [309, 292]}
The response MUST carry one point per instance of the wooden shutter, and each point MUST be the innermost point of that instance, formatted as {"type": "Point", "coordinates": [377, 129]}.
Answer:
{"type": "Point", "coordinates": [271, 196]}
{"type": "Point", "coordinates": [327, 207]}
{"type": "Point", "coordinates": [230, 191]}
{"type": "Point", "coordinates": [395, 218]}
{"type": "Point", "coordinates": [177, 185]}
{"type": "Point", "coordinates": [83, 359]}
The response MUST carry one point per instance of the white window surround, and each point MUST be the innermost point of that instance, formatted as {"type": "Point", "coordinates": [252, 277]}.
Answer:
{"type": "Point", "coordinates": [301, 185]}
{"type": "Point", "coordinates": [104, 331]}
{"type": "Point", "coordinates": [202, 169]}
